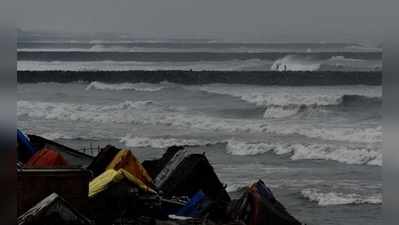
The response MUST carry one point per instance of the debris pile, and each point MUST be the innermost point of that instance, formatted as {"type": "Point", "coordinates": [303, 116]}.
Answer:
{"type": "Point", "coordinates": [59, 185]}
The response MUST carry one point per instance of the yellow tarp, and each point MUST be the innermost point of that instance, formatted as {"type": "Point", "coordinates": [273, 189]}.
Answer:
{"type": "Point", "coordinates": [127, 161]}
{"type": "Point", "coordinates": [110, 176]}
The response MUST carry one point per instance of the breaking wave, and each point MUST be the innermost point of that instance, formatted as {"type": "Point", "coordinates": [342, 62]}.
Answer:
{"type": "Point", "coordinates": [281, 96]}
{"type": "Point", "coordinates": [84, 112]}
{"type": "Point", "coordinates": [284, 111]}
{"type": "Point", "coordinates": [312, 63]}
{"type": "Point", "coordinates": [361, 135]}
{"type": "Point", "coordinates": [72, 136]}
{"type": "Point", "coordinates": [362, 156]}
{"type": "Point", "coordinates": [278, 111]}
{"type": "Point", "coordinates": [277, 105]}
{"type": "Point", "coordinates": [152, 113]}
{"type": "Point", "coordinates": [296, 63]}
{"type": "Point", "coordinates": [334, 198]}
{"type": "Point", "coordinates": [162, 142]}
{"type": "Point", "coordinates": [280, 104]}
{"type": "Point", "coordinates": [123, 86]}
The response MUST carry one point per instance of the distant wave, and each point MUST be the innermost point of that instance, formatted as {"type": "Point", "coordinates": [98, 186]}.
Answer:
{"type": "Point", "coordinates": [314, 63]}
{"type": "Point", "coordinates": [282, 111]}
{"type": "Point", "coordinates": [335, 198]}
{"type": "Point", "coordinates": [277, 106]}
{"type": "Point", "coordinates": [363, 156]}
{"type": "Point", "coordinates": [85, 112]}
{"type": "Point", "coordinates": [296, 63]}
{"type": "Point", "coordinates": [123, 86]}
{"type": "Point", "coordinates": [280, 103]}
{"type": "Point", "coordinates": [161, 142]}
{"type": "Point", "coordinates": [56, 135]}
{"type": "Point", "coordinates": [360, 135]}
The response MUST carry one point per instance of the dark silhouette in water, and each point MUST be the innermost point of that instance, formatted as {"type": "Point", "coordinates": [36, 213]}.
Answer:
{"type": "Point", "coordinates": [289, 78]}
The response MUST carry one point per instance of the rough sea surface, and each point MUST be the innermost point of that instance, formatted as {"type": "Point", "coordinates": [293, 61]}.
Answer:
{"type": "Point", "coordinates": [319, 148]}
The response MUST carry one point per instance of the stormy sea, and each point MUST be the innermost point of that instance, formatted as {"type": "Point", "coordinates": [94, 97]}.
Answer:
{"type": "Point", "coordinates": [303, 117]}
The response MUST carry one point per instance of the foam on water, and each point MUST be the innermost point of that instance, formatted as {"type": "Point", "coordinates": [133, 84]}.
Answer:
{"type": "Point", "coordinates": [350, 134]}
{"type": "Point", "coordinates": [309, 63]}
{"type": "Point", "coordinates": [296, 63]}
{"type": "Point", "coordinates": [161, 142]}
{"type": "Point", "coordinates": [85, 112]}
{"type": "Point", "coordinates": [349, 155]}
{"type": "Point", "coordinates": [273, 112]}
{"type": "Point", "coordinates": [278, 104]}
{"type": "Point", "coordinates": [124, 86]}
{"type": "Point", "coordinates": [149, 112]}
{"type": "Point", "coordinates": [335, 198]}
{"type": "Point", "coordinates": [286, 96]}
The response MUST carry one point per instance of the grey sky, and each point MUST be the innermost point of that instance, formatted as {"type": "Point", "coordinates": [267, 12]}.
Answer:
{"type": "Point", "coordinates": [261, 20]}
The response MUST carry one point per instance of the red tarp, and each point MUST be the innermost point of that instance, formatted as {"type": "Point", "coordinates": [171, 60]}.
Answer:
{"type": "Point", "coordinates": [46, 158]}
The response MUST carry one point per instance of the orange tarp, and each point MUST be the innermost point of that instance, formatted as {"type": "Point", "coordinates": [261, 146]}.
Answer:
{"type": "Point", "coordinates": [46, 158]}
{"type": "Point", "coordinates": [127, 161]}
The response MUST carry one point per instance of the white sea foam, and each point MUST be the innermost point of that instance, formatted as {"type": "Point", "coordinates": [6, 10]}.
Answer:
{"type": "Point", "coordinates": [85, 112]}
{"type": "Point", "coordinates": [334, 198]}
{"type": "Point", "coordinates": [281, 102]}
{"type": "Point", "coordinates": [242, 148]}
{"type": "Point", "coordinates": [149, 112]}
{"type": "Point", "coordinates": [307, 63]}
{"type": "Point", "coordinates": [290, 96]}
{"type": "Point", "coordinates": [124, 86]}
{"type": "Point", "coordinates": [282, 111]}
{"type": "Point", "coordinates": [296, 63]}
{"type": "Point", "coordinates": [362, 135]}
{"type": "Point", "coordinates": [161, 142]}
{"type": "Point", "coordinates": [349, 155]}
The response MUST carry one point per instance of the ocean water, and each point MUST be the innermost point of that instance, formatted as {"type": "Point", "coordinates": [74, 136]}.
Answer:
{"type": "Point", "coordinates": [319, 148]}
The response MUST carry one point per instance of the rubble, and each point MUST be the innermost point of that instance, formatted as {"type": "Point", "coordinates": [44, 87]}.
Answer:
{"type": "Point", "coordinates": [116, 188]}
{"type": "Point", "coordinates": [52, 210]}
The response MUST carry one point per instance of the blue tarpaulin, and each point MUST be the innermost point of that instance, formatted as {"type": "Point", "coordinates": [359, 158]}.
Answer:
{"type": "Point", "coordinates": [191, 209]}
{"type": "Point", "coordinates": [25, 148]}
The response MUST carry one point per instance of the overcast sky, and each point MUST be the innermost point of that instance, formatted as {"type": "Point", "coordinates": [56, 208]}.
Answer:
{"type": "Point", "coordinates": [258, 20]}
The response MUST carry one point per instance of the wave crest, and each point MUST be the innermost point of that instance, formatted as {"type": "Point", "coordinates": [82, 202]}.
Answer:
{"type": "Point", "coordinates": [341, 154]}
{"type": "Point", "coordinates": [124, 86]}
{"type": "Point", "coordinates": [162, 142]}
{"type": "Point", "coordinates": [296, 63]}
{"type": "Point", "coordinates": [334, 198]}
{"type": "Point", "coordinates": [152, 113]}
{"type": "Point", "coordinates": [280, 96]}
